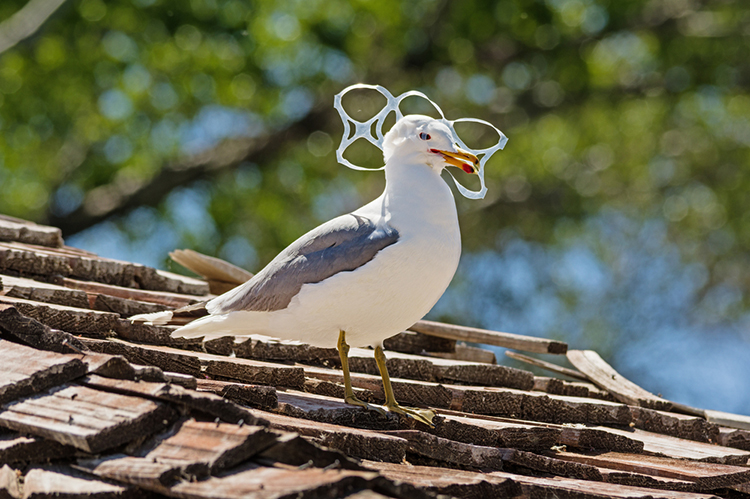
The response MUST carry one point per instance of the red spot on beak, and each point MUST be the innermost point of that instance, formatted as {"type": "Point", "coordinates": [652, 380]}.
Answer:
{"type": "Point", "coordinates": [467, 168]}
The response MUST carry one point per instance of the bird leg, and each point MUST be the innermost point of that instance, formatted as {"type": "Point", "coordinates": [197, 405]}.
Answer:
{"type": "Point", "coordinates": [423, 415]}
{"type": "Point", "coordinates": [349, 396]}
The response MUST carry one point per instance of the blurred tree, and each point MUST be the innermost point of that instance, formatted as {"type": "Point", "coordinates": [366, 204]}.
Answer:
{"type": "Point", "coordinates": [210, 121]}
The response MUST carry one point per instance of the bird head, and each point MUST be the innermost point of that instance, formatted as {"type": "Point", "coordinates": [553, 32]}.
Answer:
{"type": "Point", "coordinates": [427, 140]}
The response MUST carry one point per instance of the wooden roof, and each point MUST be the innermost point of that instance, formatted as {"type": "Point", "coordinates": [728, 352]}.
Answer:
{"type": "Point", "coordinates": [94, 406]}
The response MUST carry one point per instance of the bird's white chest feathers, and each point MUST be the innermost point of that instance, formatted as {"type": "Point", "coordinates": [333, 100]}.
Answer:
{"type": "Point", "coordinates": [397, 287]}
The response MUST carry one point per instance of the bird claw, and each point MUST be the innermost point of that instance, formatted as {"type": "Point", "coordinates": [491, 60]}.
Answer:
{"type": "Point", "coordinates": [370, 407]}
{"type": "Point", "coordinates": [422, 415]}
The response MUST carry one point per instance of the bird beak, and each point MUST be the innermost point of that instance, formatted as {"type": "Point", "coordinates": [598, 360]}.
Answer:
{"type": "Point", "coordinates": [460, 158]}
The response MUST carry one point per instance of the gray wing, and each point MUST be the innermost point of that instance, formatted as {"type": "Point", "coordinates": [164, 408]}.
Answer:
{"type": "Point", "coordinates": [339, 245]}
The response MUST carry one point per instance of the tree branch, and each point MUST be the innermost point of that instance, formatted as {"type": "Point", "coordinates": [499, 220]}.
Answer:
{"type": "Point", "coordinates": [26, 21]}
{"type": "Point", "coordinates": [121, 196]}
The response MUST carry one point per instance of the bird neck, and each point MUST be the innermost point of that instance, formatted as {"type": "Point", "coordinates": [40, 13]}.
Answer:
{"type": "Point", "coordinates": [419, 193]}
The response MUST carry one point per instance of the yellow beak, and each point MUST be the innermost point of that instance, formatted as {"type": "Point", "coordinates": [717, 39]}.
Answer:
{"type": "Point", "coordinates": [462, 159]}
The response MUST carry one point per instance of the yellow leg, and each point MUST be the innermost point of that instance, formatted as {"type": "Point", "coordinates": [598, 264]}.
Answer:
{"type": "Point", "coordinates": [349, 396]}
{"type": "Point", "coordinates": [423, 415]}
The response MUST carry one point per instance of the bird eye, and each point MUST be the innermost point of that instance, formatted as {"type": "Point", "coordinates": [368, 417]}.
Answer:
{"type": "Point", "coordinates": [424, 136]}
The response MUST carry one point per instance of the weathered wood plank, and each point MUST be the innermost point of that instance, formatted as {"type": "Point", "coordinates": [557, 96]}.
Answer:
{"type": "Point", "coordinates": [676, 425]}
{"type": "Point", "coordinates": [491, 458]}
{"type": "Point", "coordinates": [33, 332]}
{"type": "Point", "coordinates": [201, 448]}
{"type": "Point", "coordinates": [15, 448]}
{"type": "Point", "coordinates": [416, 343]}
{"type": "Point", "coordinates": [571, 487]}
{"type": "Point", "coordinates": [453, 483]}
{"type": "Point", "coordinates": [87, 419]}
{"type": "Point", "coordinates": [731, 437]}
{"type": "Point", "coordinates": [22, 231]}
{"type": "Point", "coordinates": [402, 365]}
{"type": "Point", "coordinates": [260, 396]}
{"type": "Point", "coordinates": [295, 450]}
{"type": "Point", "coordinates": [549, 366]}
{"type": "Point", "coordinates": [61, 482]}
{"type": "Point", "coordinates": [181, 361]}
{"type": "Point", "coordinates": [32, 263]}
{"type": "Point", "coordinates": [468, 353]}
{"type": "Point", "coordinates": [486, 337]}
{"type": "Point", "coordinates": [69, 319]}
{"type": "Point", "coordinates": [266, 348]}
{"type": "Point", "coordinates": [163, 298]}
{"type": "Point", "coordinates": [651, 482]}
{"type": "Point", "coordinates": [28, 289]}
{"type": "Point", "coordinates": [135, 471]}
{"type": "Point", "coordinates": [333, 411]}
{"type": "Point", "coordinates": [354, 442]}
{"type": "Point", "coordinates": [605, 377]}
{"type": "Point", "coordinates": [9, 486]}
{"type": "Point", "coordinates": [727, 419]}
{"type": "Point", "coordinates": [40, 260]}
{"type": "Point", "coordinates": [495, 433]}
{"type": "Point", "coordinates": [256, 481]}
{"type": "Point", "coordinates": [207, 403]}
{"type": "Point", "coordinates": [667, 446]}
{"type": "Point", "coordinates": [538, 436]}
{"type": "Point", "coordinates": [24, 370]}
{"type": "Point", "coordinates": [706, 476]}
{"type": "Point", "coordinates": [178, 361]}
{"type": "Point", "coordinates": [506, 402]}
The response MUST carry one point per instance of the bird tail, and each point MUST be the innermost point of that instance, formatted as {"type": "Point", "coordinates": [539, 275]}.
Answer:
{"type": "Point", "coordinates": [155, 318]}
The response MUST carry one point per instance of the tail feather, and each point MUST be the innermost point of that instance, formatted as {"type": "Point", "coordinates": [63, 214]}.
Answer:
{"type": "Point", "coordinates": [154, 318]}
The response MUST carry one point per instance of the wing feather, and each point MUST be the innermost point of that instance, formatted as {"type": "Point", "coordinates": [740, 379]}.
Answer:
{"type": "Point", "coordinates": [339, 245]}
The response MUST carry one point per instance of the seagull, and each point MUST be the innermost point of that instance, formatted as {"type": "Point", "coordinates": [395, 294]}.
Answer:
{"type": "Point", "coordinates": [361, 277]}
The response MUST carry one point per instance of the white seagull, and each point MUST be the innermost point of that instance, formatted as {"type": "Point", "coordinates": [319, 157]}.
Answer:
{"type": "Point", "coordinates": [365, 276]}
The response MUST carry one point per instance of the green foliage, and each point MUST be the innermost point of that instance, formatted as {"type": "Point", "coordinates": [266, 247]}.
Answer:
{"type": "Point", "coordinates": [640, 106]}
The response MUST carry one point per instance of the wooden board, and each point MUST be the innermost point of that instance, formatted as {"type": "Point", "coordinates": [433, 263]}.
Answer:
{"type": "Point", "coordinates": [256, 481]}
{"type": "Point", "coordinates": [14, 229]}
{"type": "Point", "coordinates": [10, 488]}
{"type": "Point", "coordinates": [200, 448]}
{"type": "Point", "coordinates": [163, 298]}
{"type": "Point", "coordinates": [407, 366]}
{"type": "Point", "coordinates": [60, 482]}
{"type": "Point", "coordinates": [354, 442]}
{"type": "Point", "coordinates": [471, 354]}
{"type": "Point", "coordinates": [15, 448]}
{"type": "Point", "coordinates": [570, 487]}
{"type": "Point", "coordinates": [549, 366]}
{"type": "Point", "coordinates": [87, 419]}
{"type": "Point", "coordinates": [486, 337]}
{"type": "Point", "coordinates": [28, 289]}
{"type": "Point", "coordinates": [451, 482]}
{"type": "Point", "coordinates": [676, 425]}
{"type": "Point", "coordinates": [260, 396]}
{"type": "Point", "coordinates": [36, 334]}
{"type": "Point", "coordinates": [69, 319]}
{"type": "Point", "coordinates": [417, 343]}
{"type": "Point", "coordinates": [181, 361]}
{"type": "Point", "coordinates": [24, 370]}
{"type": "Point", "coordinates": [605, 377]}
{"type": "Point", "coordinates": [207, 403]}
{"type": "Point", "coordinates": [44, 261]}
{"type": "Point", "coordinates": [706, 476]}
{"type": "Point", "coordinates": [731, 437]}
{"type": "Point", "coordinates": [666, 446]}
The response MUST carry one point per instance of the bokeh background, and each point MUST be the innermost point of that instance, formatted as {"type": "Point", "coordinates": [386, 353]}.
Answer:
{"type": "Point", "coordinates": [617, 218]}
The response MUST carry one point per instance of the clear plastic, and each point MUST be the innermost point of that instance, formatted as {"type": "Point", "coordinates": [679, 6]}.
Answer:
{"type": "Point", "coordinates": [354, 130]}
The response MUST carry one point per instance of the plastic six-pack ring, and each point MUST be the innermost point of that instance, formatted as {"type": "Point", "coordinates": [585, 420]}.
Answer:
{"type": "Point", "coordinates": [354, 130]}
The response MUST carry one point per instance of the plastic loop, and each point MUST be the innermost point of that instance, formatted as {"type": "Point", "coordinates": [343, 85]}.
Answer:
{"type": "Point", "coordinates": [354, 130]}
